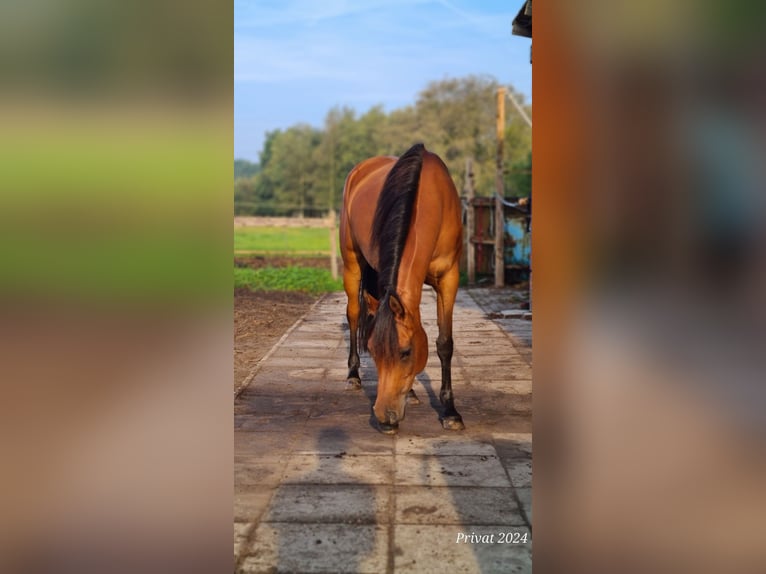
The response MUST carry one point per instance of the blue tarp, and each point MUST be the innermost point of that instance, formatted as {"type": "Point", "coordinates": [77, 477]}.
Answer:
{"type": "Point", "coordinates": [517, 251]}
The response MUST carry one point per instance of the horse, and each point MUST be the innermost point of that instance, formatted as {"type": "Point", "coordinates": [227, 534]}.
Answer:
{"type": "Point", "coordinates": [400, 228]}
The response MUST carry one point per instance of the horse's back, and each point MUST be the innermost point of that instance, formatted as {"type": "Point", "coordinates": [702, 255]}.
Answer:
{"type": "Point", "coordinates": [438, 190]}
{"type": "Point", "coordinates": [367, 175]}
{"type": "Point", "coordinates": [437, 217]}
{"type": "Point", "coordinates": [360, 196]}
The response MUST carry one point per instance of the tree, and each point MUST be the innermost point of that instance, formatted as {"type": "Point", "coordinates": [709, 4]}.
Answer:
{"type": "Point", "coordinates": [456, 119]}
{"type": "Point", "coordinates": [302, 169]}
{"type": "Point", "coordinates": [346, 141]}
{"type": "Point", "coordinates": [518, 178]}
{"type": "Point", "coordinates": [291, 174]}
{"type": "Point", "coordinates": [244, 169]}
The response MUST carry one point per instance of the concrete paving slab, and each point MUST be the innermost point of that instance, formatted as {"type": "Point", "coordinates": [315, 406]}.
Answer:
{"type": "Point", "coordinates": [504, 396]}
{"type": "Point", "coordinates": [327, 436]}
{"type": "Point", "coordinates": [251, 444]}
{"type": "Point", "coordinates": [520, 472]}
{"type": "Point", "coordinates": [457, 505]}
{"type": "Point", "coordinates": [477, 470]}
{"type": "Point", "coordinates": [272, 423]}
{"type": "Point", "coordinates": [294, 547]}
{"type": "Point", "coordinates": [475, 326]}
{"type": "Point", "coordinates": [319, 489]}
{"type": "Point", "coordinates": [307, 341]}
{"type": "Point", "coordinates": [276, 380]}
{"type": "Point", "coordinates": [525, 502]}
{"type": "Point", "coordinates": [511, 387]}
{"type": "Point", "coordinates": [313, 374]}
{"type": "Point", "coordinates": [284, 405]}
{"type": "Point", "coordinates": [476, 340]}
{"type": "Point", "coordinates": [266, 471]}
{"type": "Point", "coordinates": [290, 361]}
{"type": "Point", "coordinates": [341, 404]}
{"type": "Point", "coordinates": [450, 445]}
{"type": "Point", "coordinates": [338, 469]}
{"type": "Point", "coordinates": [513, 445]}
{"type": "Point", "coordinates": [321, 328]}
{"type": "Point", "coordinates": [433, 549]}
{"type": "Point", "coordinates": [491, 397]}
{"type": "Point", "coordinates": [503, 369]}
{"type": "Point", "coordinates": [329, 503]}
{"type": "Point", "coordinates": [301, 355]}
{"type": "Point", "coordinates": [497, 373]}
{"type": "Point", "coordinates": [491, 344]}
{"type": "Point", "coordinates": [250, 504]}
{"type": "Point", "coordinates": [337, 376]}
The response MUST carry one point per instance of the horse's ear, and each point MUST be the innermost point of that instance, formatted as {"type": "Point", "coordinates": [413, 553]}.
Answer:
{"type": "Point", "coordinates": [396, 306]}
{"type": "Point", "coordinates": [372, 303]}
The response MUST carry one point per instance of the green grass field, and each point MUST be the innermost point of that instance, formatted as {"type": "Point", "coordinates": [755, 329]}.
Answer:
{"type": "Point", "coordinates": [282, 240]}
{"type": "Point", "coordinates": [285, 241]}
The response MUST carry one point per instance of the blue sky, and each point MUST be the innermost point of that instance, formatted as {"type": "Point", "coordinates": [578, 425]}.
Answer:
{"type": "Point", "coordinates": [296, 59]}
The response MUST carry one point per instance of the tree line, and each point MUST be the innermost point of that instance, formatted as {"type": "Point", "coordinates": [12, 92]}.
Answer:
{"type": "Point", "coordinates": [301, 169]}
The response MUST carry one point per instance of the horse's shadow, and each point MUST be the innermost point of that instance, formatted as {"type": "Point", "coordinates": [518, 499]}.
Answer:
{"type": "Point", "coordinates": [369, 376]}
{"type": "Point", "coordinates": [433, 398]}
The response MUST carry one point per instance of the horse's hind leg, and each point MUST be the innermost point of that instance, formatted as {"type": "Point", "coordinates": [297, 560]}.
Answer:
{"type": "Point", "coordinates": [352, 278]}
{"type": "Point", "coordinates": [446, 291]}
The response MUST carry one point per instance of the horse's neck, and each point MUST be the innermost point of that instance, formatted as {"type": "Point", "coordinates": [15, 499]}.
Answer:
{"type": "Point", "coordinates": [411, 277]}
{"type": "Point", "coordinates": [410, 295]}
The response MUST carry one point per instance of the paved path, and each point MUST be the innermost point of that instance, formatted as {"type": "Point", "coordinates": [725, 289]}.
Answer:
{"type": "Point", "coordinates": [318, 489]}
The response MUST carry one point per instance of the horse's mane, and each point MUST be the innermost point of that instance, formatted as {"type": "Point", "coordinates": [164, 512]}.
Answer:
{"type": "Point", "coordinates": [390, 228]}
{"type": "Point", "coordinates": [391, 223]}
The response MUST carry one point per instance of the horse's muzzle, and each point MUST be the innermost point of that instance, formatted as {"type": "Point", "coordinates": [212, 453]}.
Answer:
{"type": "Point", "coordinates": [392, 417]}
{"type": "Point", "coordinates": [387, 428]}
{"type": "Point", "coordinates": [389, 419]}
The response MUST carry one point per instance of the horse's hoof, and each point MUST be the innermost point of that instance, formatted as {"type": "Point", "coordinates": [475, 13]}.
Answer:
{"type": "Point", "coordinates": [386, 428]}
{"type": "Point", "coordinates": [453, 423]}
{"type": "Point", "coordinates": [353, 384]}
{"type": "Point", "coordinates": [412, 398]}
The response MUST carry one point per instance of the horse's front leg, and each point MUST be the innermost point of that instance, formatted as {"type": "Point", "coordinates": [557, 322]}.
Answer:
{"type": "Point", "coordinates": [353, 381]}
{"type": "Point", "coordinates": [352, 285]}
{"type": "Point", "coordinates": [451, 419]}
{"type": "Point", "coordinates": [446, 291]}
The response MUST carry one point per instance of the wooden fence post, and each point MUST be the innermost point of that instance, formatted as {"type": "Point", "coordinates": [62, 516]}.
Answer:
{"type": "Point", "coordinates": [470, 231]}
{"type": "Point", "coordinates": [333, 244]}
{"type": "Point", "coordinates": [500, 192]}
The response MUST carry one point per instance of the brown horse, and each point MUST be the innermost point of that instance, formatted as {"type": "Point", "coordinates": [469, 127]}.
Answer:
{"type": "Point", "coordinates": [400, 228]}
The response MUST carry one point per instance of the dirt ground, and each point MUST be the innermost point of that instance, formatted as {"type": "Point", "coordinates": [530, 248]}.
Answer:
{"type": "Point", "coordinates": [261, 318]}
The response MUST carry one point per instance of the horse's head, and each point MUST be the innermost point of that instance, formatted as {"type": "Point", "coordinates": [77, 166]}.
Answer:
{"type": "Point", "coordinates": [399, 346]}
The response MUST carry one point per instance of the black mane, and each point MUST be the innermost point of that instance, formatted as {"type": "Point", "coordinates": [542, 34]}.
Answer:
{"type": "Point", "coordinates": [390, 228]}
{"type": "Point", "coordinates": [394, 213]}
